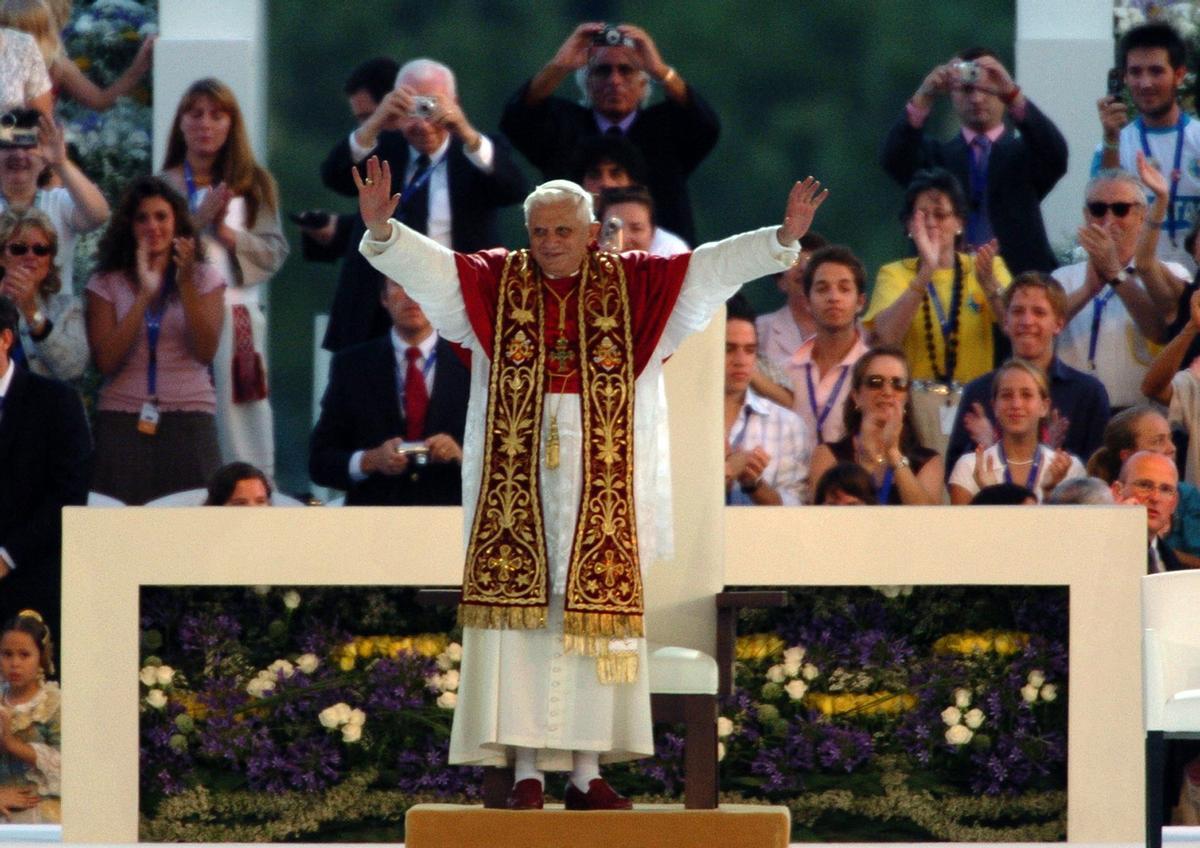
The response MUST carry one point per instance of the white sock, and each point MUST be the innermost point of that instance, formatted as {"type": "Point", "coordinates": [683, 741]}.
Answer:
{"type": "Point", "coordinates": [525, 766]}
{"type": "Point", "coordinates": [587, 769]}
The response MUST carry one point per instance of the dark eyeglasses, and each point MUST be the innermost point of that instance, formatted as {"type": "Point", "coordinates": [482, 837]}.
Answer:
{"type": "Point", "coordinates": [877, 381]}
{"type": "Point", "coordinates": [20, 248]}
{"type": "Point", "coordinates": [1099, 208]}
{"type": "Point", "coordinates": [605, 70]}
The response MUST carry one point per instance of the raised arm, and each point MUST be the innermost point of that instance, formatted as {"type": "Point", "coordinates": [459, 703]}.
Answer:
{"type": "Point", "coordinates": [1157, 382]}
{"type": "Point", "coordinates": [91, 209]}
{"type": "Point", "coordinates": [84, 91]}
{"type": "Point", "coordinates": [1163, 287]}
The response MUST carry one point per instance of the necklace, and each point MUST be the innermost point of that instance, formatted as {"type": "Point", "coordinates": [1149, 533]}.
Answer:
{"type": "Point", "coordinates": [560, 356]}
{"type": "Point", "coordinates": [1020, 461]}
{"type": "Point", "coordinates": [949, 325]}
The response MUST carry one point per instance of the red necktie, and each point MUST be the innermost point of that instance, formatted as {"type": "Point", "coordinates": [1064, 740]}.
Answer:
{"type": "Point", "coordinates": [416, 396]}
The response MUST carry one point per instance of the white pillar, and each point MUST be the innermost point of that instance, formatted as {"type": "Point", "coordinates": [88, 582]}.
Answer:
{"type": "Point", "coordinates": [225, 39]}
{"type": "Point", "coordinates": [1063, 52]}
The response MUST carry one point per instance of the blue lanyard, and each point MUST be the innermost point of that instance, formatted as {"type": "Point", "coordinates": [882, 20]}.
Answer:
{"type": "Point", "coordinates": [943, 321]}
{"type": "Point", "coordinates": [1031, 481]}
{"type": "Point", "coordinates": [885, 488]}
{"type": "Point", "coordinates": [418, 181]}
{"type": "Point", "coordinates": [1176, 174]}
{"type": "Point", "coordinates": [823, 414]}
{"type": "Point", "coordinates": [153, 328]}
{"type": "Point", "coordinates": [1098, 304]}
{"type": "Point", "coordinates": [193, 193]}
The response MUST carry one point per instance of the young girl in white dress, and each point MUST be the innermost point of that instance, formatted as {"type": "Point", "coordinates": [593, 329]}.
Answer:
{"type": "Point", "coordinates": [30, 723]}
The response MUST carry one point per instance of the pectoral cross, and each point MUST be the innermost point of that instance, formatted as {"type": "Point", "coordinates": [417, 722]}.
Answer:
{"type": "Point", "coordinates": [562, 355]}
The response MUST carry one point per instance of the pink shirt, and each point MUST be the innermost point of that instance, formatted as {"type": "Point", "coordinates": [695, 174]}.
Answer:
{"type": "Point", "coordinates": [184, 384]}
{"type": "Point", "coordinates": [826, 385]}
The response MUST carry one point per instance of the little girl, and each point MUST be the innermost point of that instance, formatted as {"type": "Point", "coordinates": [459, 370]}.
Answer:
{"type": "Point", "coordinates": [30, 767]}
{"type": "Point", "coordinates": [1021, 399]}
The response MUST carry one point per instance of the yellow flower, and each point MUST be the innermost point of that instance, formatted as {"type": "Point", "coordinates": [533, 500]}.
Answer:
{"type": "Point", "coordinates": [346, 663]}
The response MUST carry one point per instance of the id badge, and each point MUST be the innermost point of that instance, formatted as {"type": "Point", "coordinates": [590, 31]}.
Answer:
{"type": "Point", "coordinates": [148, 419]}
{"type": "Point", "coordinates": [947, 412]}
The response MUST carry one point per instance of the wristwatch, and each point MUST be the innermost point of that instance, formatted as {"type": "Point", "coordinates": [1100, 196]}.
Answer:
{"type": "Point", "coordinates": [1120, 278]}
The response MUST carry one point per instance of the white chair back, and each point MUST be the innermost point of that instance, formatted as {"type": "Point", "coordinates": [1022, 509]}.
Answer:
{"type": "Point", "coordinates": [97, 499]}
{"type": "Point", "coordinates": [196, 497]}
{"type": "Point", "coordinates": [1171, 640]}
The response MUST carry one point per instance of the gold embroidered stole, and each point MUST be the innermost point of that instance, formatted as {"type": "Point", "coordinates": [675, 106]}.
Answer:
{"type": "Point", "coordinates": [506, 581]}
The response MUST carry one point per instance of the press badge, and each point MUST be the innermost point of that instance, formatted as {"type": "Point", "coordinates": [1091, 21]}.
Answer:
{"type": "Point", "coordinates": [148, 420]}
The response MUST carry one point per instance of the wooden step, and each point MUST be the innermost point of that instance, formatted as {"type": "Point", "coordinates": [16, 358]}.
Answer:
{"type": "Point", "coordinates": [645, 826]}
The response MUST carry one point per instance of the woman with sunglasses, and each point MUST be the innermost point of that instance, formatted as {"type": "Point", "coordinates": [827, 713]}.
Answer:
{"type": "Point", "coordinates": [1021, 400]}
{"type": "Point", "coordinates": [154, 313]}
{"type": "Point", "coordinates": [235, 206]}
{"type": "Point", "coordinates": [52, 340]}
{"type": "Point", "coordinates": [880, 436]}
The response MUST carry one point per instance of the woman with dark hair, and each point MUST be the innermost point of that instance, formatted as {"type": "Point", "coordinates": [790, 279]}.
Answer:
{"type": "Point", "coordinates": [938, 306]}
{"type": "Point", "coordinates": [845, 484]}
{"type": "Point", "coordinates": [880, 436]}
{"type": "Point", "coordinates": [235, 206]}
{"type": "Point", "coordinates": [239, 484]}
{"type": "Point", "coordinates": [52, 335]}
{"type": "Point", "coordinates": [153, 319]}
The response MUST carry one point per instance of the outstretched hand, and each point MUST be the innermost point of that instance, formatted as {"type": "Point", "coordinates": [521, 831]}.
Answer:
{"type": "Point", "coordinates": [802, 203]}
{"type": "Point", "coordinates": [1151, 177]}
{"type": "Point", "coordinates": [376, 202]}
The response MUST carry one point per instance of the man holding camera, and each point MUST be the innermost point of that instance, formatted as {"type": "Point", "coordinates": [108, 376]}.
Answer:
{"type": "Point", "coordinates": [1006, 168]}
{"type": "Point", "coordinates": [1152, 64]}
{"type": "Point", "coordinates": [451, 179]}
{"type": "Point", "coordinates": [674, 136]}
{"type": "Point", "coordinates": [393, 414]}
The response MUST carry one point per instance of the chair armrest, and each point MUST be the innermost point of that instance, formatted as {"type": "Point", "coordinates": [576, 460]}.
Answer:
{"type": "Point", "coordinates": [728, 604]}
{"type": "Point", "coordinates": [1153, 685]}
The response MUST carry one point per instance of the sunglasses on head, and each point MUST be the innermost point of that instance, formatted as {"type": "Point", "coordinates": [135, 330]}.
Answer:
{"type": "Point", "coordinates": [20, 248]}
{"type": "Point", "coordinates": [877, 381]}
{"type": "Point", "coordinates": [1099, 208]}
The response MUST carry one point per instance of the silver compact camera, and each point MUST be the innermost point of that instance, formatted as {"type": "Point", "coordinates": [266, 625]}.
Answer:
{"type": "Point", "coordinates": [610, 36]}
{"type": "Point", "coordinates": [19, 128]}
{"type": "Point", "coordinates": [423, 107]}
{"type": "Point", "coordinates": [968, 73]}
{"type": "Point", "coordinates": [417, 452]}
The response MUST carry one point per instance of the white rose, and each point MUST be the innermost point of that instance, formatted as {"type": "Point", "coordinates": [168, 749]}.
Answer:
{"type": "Point", "coordinates": [447, 700]}
{"type": "Point", "coordinates": [156, 698]}
{"type": "Point", "coordinates": [794, 655]}
{"type": "Point", "coordinates": [352, 733]}
{"type": "Point", "coordinates": [809, 672]}
{"type": "Point", "coordinates": [434, 681]}
{"type": "Point", "coordinates": [958, 735]}
{"type": "Point", "coordinates": [259, 687]}
{"type": "Point", "coordinates": [444, 662]}
{"type": "Point", "coordinates": [791, 669]}
{"type": "Point", "coordinates": [951, 716]}
{"type": "Point", "coordinates": [329, 717]}
{"type": "Point", "coordinates": [357, 718]}
{"type": "Point", "coordinates": [262, 591]}
{"type": "Point", "coordinates": [148, 675]}
{"type": "Point", "coordinates": [450, 680]}
{"type": "Point", "coordinates": [973, 718]}
{"type": "Point", "coordinates": [1029, 693]}
{"type": "Point", "coordinates": [724, 726]}
{"type": "Point", "coordinates": [776, 674]}
{"type": "Point", "coordinates": [796, 689]}
{"type": "Point", "coordinates": [454, 651]}
{"type": "Point", "coordinates": [906, 590]}
{"type": "Point", "coordinates": [291, 599]}
{"type": "Point", "coordinates": [307, 663]}
{"type": "Point", "coordinates": [888, 591]}
{"type": "Point", "coordinates": [163, 675]}
{"type": "Point", "coordinates": [962, 698]}
{"type": "Point", "coordinates": [1036, 679]}
{"type": "Point", "coordinates": [1049, 692]}
{"type": "Point", "coordinates": [720, 751]}
{"type": "Point", "coordinates": [281, 667]}
{"type": "Point", "coordinates": [342, 711]}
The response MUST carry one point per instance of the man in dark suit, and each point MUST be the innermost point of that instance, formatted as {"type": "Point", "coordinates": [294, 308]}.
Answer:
{"type": "Point", "coordinates": [392, 418]}
{"type": "Point", "coordinates": [1152, 480]}
{"type": "Point", "coordinates": [45, 464]}
{"type": "Point", "coordinates": [1006, 168]}
{"type": "Point", "coordinates": [674, 136]}
{"type": "Point", "coordinates": [452, 179]}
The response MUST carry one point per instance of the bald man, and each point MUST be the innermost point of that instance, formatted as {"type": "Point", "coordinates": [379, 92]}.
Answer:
{"type": "Point", "coordinates": [1151, 479]}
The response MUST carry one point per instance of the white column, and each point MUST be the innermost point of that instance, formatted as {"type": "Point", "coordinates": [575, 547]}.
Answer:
{"type": "Point", "coordinates": [225, 39]}
{"type": "Point", "coordinates": [1063, 52]}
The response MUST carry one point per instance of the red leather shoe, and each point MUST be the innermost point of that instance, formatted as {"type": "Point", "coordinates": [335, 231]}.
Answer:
{"type": "Point", "coordinates": [600, 796]}
{"type": "Point", "coordinates": [526, 795]}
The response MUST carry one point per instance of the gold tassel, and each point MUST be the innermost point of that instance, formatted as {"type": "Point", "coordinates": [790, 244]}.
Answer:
{"type": "Point", "coordinates": [608, 625]}
{"type": "Point", "coordinates": [502, 618]}
{"type": "Point", "coordinates": [552, 443]}
{"type": "Point", "coordinates": [612, 669]}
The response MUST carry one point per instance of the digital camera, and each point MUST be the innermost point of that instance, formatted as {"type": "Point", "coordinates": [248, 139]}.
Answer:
{"type": "Point", "coordinates": [610, 36]}
{"type": "Point", "coordinates": [423, 107]}
{"type": "Point", "coordinates": [967, 72]}
{"type": "Point", "coordinates": [19, 128]}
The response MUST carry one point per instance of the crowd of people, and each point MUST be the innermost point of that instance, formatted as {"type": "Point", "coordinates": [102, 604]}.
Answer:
{"type": "Point", "coordinates": [976, 369]}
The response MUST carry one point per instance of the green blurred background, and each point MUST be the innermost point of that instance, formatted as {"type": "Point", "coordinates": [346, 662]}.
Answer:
{"type": "Point", "coordinates": [801, 88]}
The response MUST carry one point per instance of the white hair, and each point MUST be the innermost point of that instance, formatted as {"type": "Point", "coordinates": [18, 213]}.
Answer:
{"type": "Point", "coordinates": [425, 68]}
{"type": "Point", "coordinates": [1116, 175]}
{"type": "Point", "coordinates": [560, 191]}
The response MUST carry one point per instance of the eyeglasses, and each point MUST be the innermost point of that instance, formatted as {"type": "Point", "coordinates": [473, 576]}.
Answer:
{"type": "Point", "coordinates": [1099, 208]}
{"type": "Point", "coordinates": [877, 381]}
{"type": "Point", "coordinates": [1149, 487]}
{"type": "Point", "coordinates": [605, 70]}
{"type": "Point", "coordinates": [20, 248]}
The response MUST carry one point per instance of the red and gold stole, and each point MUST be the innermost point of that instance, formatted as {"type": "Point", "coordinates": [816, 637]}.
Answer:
{"type": "Point", "coordinates": [506, 581]}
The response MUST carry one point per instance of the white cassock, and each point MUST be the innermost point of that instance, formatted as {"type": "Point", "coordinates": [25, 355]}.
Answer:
{"type": "Point", "coordinates": [517, 687]}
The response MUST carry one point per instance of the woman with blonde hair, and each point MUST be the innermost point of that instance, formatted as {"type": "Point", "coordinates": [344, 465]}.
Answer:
{"type": "Point", "coordinates": [1021, 399]}
{"type": "Point", "coordinates": [235, 206]}
{"type": "Point", "coordinates": [41, 20]}
{"type": "Point", "coordinates": [53, 337]}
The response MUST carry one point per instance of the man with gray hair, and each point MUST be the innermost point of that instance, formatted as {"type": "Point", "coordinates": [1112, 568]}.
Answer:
{"type": "Point", "coordinates": [617, 64]}
{"type": "Point", "coordinates": [563, 490]}
{"type": "Point", "coordinates": [452, 179]}
{"type": "Point", "coordinates": [1110, 314]}
{"type": "Point", "coordinates": [1080, 491]}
